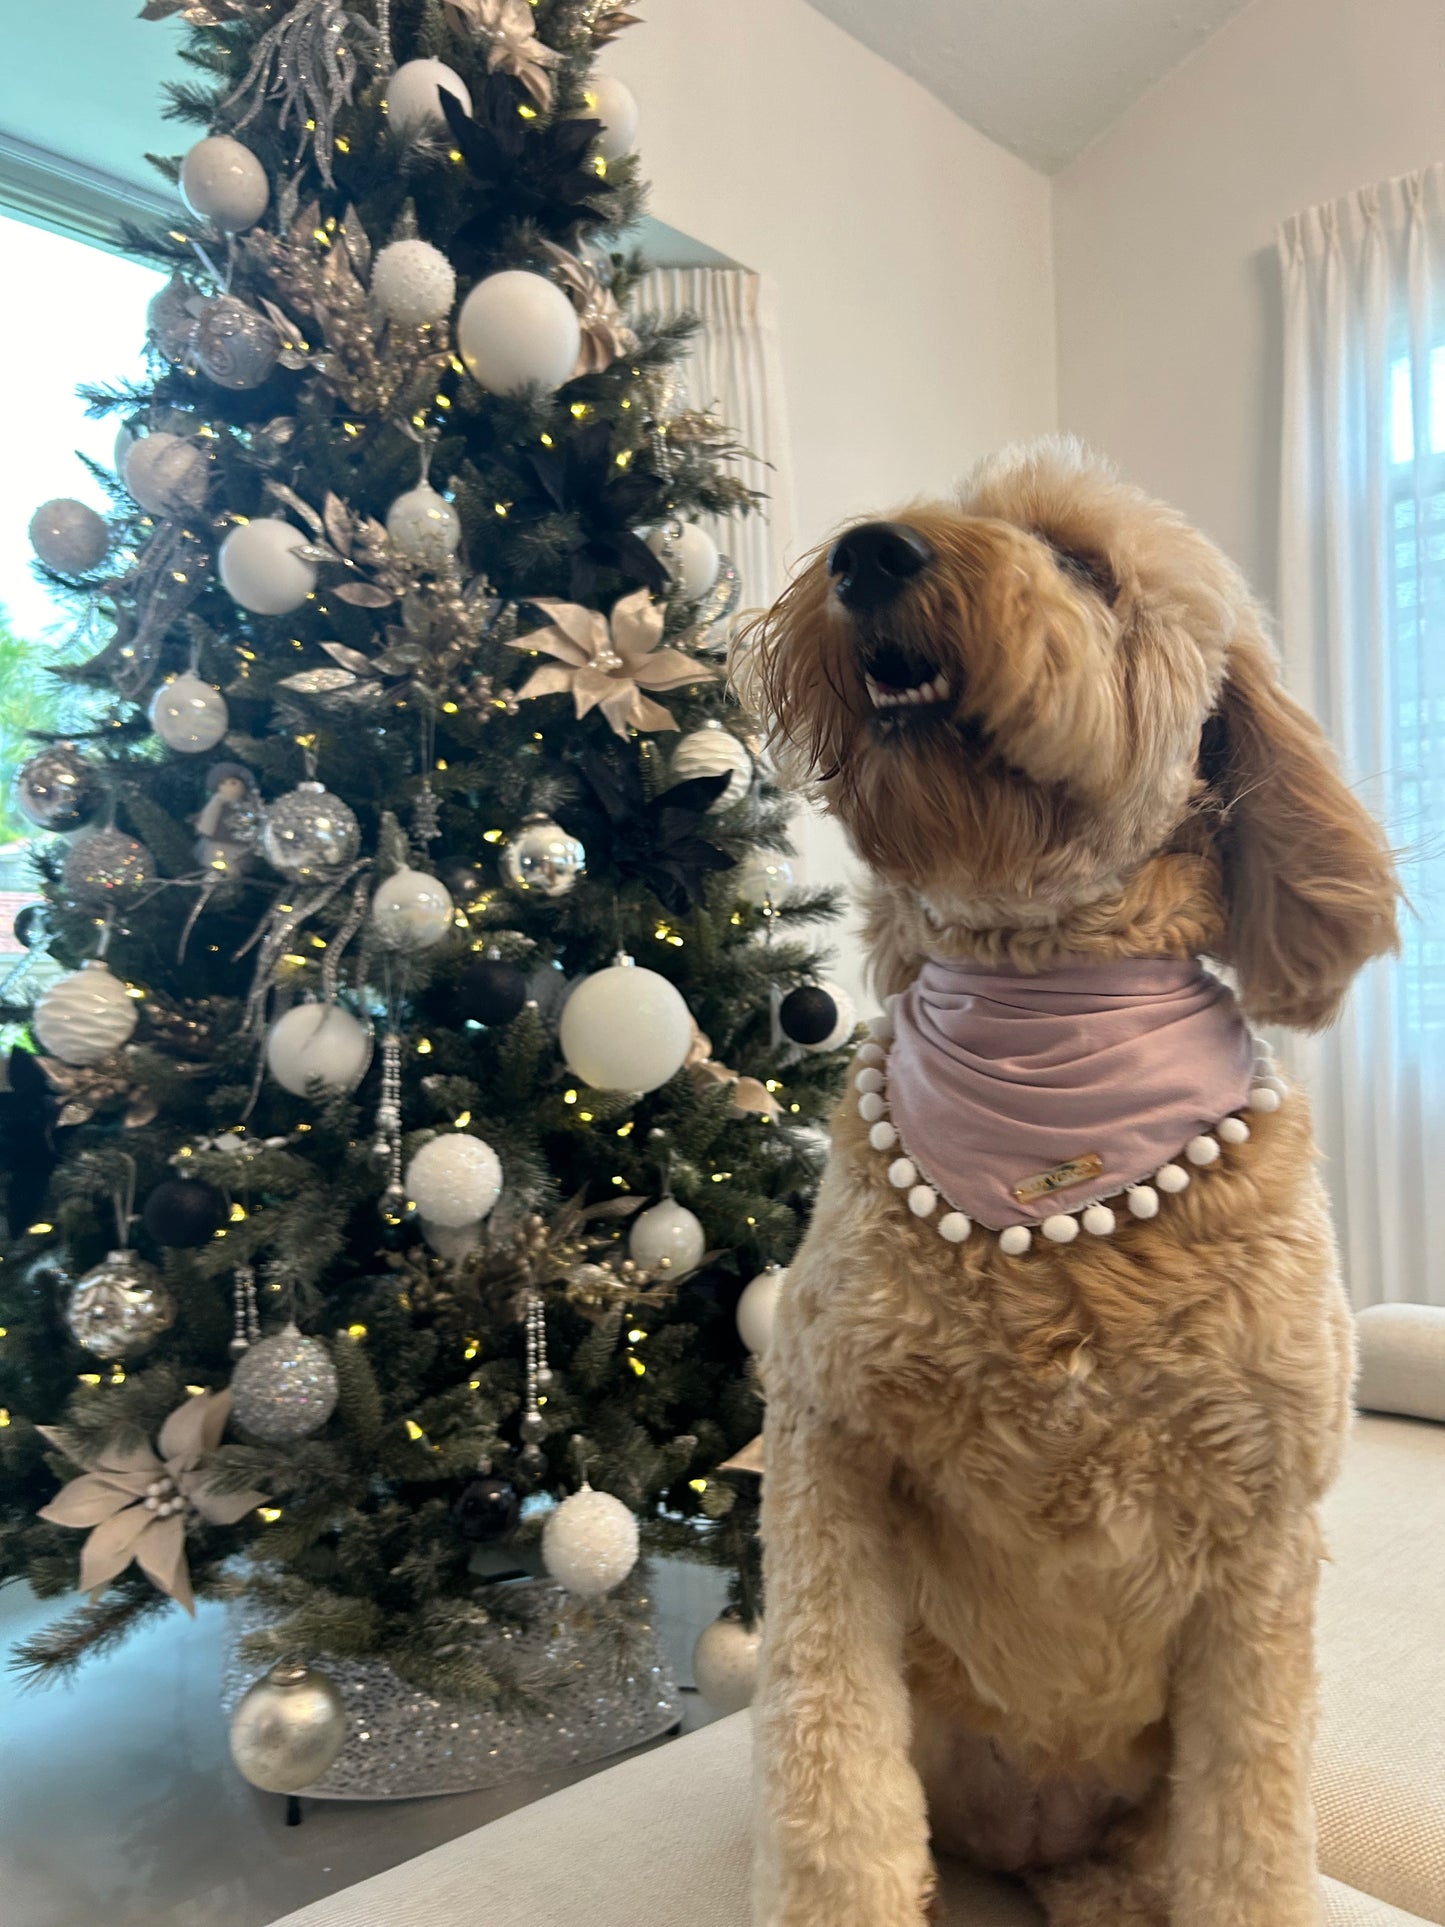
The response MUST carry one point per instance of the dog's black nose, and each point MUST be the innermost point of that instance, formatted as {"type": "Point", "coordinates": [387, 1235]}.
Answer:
{"type": "Point", "coordinates": [874, 562]}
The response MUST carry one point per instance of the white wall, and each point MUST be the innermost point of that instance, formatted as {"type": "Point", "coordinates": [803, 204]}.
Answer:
{"type": "Point", "coordinates": [1168, 288]}
{"type": "Point", "coordinates": [911, 257]}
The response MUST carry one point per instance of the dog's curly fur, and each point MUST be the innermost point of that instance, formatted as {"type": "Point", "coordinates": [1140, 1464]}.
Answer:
{"type": "Point", "coordinates": [1041, 1534]}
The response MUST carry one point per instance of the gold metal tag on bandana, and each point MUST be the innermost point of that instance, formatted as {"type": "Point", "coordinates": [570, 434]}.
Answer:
{"type": "Point", "coordinates": [1076, 1171]}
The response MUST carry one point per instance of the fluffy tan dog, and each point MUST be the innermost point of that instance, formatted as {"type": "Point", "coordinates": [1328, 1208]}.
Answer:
{"type": "Point", "coordinates": [1041, 1530]}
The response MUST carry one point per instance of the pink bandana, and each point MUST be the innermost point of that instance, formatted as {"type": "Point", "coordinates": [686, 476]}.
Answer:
{"type": "Point", "coordinates": [1019, 1097]}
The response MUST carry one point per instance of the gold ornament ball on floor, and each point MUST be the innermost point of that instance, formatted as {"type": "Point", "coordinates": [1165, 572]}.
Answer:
{"type": "Point", "coordinates": [725, 1664]}
{"type": "Point", "coordinates": [84, 1016]}
{"type": "Point", "coordinates": [590, 1543]}
{"type": "Point", "coordinates": [289, 1730]}
{"type": "Point", "coordinates": [625, 1029]}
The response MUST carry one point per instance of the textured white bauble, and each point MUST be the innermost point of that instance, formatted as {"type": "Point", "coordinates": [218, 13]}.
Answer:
{"type": "Point", "coordinates": [424, 527]}
{"type": "Point", "coordinates": [223, 182]}
{"type": "Point", "coordinates": [189, 715]}
{"type": "Point", "coordinates": [413, 102]}
{"type": "Point", "coordinates": [758, 1307]}
{"type": "Point", "coordinates": [166, 475]}
{"type": "Point", "coordinates": [763, 877]}
{"type": "Point", "coordinates": [261, 569]}
{"type": "Point", "coordinates": [626, 1029]}
{"type": "Point", "coordinates": [320, 1046]}
{"type": "Point", "coordinates": [84, 1016]}
{"type": "Point", "coordinates": [517, 330]}
{"type": "Point", "coordinates": [725, 1664]}
{"type": "Point", "coordinates": [454, 1242]}
{"type": "Point", "coordinates": [615, 106]}
{"type": "Point", "coordinates": [454, 1180]}
{"type": "Point", "coordinates": [690, 555]}
{"type": "Point", "coordinates": [413, 283]}
{"type": "Point", "coordinates": [69, 536]}
{"type": "Point", "coordinates": [711, 752]}
{"type": "Point", "coordinates": [590, 1543]}
{"type": "Point", "coordinates": [666, 1238]}
{"type": "Point", "coordinates": [412, 911]}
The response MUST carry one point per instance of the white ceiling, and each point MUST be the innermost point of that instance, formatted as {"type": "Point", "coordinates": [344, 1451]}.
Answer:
{"type": "Point", "coordinates": [1043, 77]}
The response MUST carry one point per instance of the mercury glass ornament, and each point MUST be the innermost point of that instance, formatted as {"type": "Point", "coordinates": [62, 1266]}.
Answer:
{"type": "Point", "coordinates": [317, 1047]}
{"type": "Point", "coordinates": [119, 1308]}
{"type": "Point", "coordinates": [518, 330]}
{"type": "Point", "coordinates": [166, 474]}
{"type": "Point", "coordinates": [424, 527]}
{"type": "Point", "coordinates": [261, 567]}
{"type": "Point", "coordinates": [106, 867]}
{"type": "Point", "coordinates": [625, 1029]}
{"type": "Point", "coordinates": [69, 536]}
{"type": "Point", "coordinates": [590, 1543]}
{"type": "Point", "coordinates": [56, 789]}
{"type": "Point", "coordinates": [288, 1730]}
{"type": "Point", "coordinates": [758, 1307]}
{"type": "Point", "coordinates": [413, 283]}
{"type": "Point", "coordinates": [411, 910]}
{"type": "Point", "coordinates": [725, 1664]}
{"type": "Point", "coordinates": [666, 1238]}
{"type": "Point", "coordinates": [189, 715]}
{"type": "Point", "coordinates": [763, 877]}
{"type": "Point", "coordinates": [309, 834]}
{"type": "Point", "coordinates": [84, 1016]}
{"type": "Point", "coordinates": [413, 97]}
{"type": "Point", "coordinates": [541, 860]}
{"type": "Point", "coordinates": [284, 1387]}
{"type": "Point", "coordinates": [711, 751]}
{"type": "Point", "coordinates": [235, 347]}
{"type": "Point", "coordinates": [172, 325]}
{"type": "Point", "coordinates": [223, 182]}
{"type": "Point", "coordinates": [454, 1180]}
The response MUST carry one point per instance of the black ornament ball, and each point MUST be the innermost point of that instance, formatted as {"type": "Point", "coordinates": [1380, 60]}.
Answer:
{"type": "Point", "coordinates": [808, 1015]}
{"type": "Point", "coordinates": [30, 926]}
{"type": "Point", "coordinates": [486, 1510]}
{"type": "Point", "coordinates": [491, 991]}
{"type": "Point", "coordinates": [466, 881]}
{"type": "Point", "coordinates": [184, 1212]}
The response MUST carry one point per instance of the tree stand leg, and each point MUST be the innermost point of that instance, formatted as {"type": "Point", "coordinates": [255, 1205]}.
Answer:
{"type": "Point", "coordinates": [293, 1810]}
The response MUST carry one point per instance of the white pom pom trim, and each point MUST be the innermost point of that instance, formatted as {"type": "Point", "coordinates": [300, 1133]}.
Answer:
{"type": "Point", "coordinates": [883, 1136]}
{"type": "Point", "coordinates": [871, 1054]}
{"type": "Point", "coordinates": [869, 1080]}
{"type": "Point", "coordinates": [1233, 1130]}
{"type": "Point", "coordinates": [903, 1174]}
{"type": "Point", "coordinates": [1099, 1221]}
{"type": "Point", "coordinates": [923, 1201]}
{"type": "Point", "coordinates": [1264, 1098]}
{"type": "Point", "coordinates": [1143, 1200]}
{"type": "Point", "coordinates": [1202, 1150]}
{"type": "Point", "coordinates": [1015, 1240]}
{"type": "Point", "coordinates": [1172, 1178]}
{"type": "Point", "coordinates": [881, 1030]}
{"type": "Point", "coordinates": [1060, 1229]}
{"type": "Point", "coordinates": [871, 1107]}
{"type": "Point", "coordinates": [954, 1227]}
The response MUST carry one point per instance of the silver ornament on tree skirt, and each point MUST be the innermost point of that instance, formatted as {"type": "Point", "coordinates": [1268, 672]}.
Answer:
{"type": "Point", "coordinates": [590, 1543]}
{"type": "Point", "coordinates": [84, 1016]}
{"type": "Point", "coordinates": [725, 1663]}
{"type": "Point", "coordinates": [105, 868]}
{"type": "Point", "coordinates": [56, 789]}
{"type": "Point", "coordinates": [309, 834]}
{"type": "Point", "coordinates": [284, 1387]}
{"type": "Point", "coordinates": [817, 1017]}
{"type": "Point", "coordinates": [413, 283]}
{"type": "Point", "coordinates": [289, 1729]}
{"type": "Point", "coordinates": [120, 1307]}
{"type": "Point", "coordinates": [189, 715]}
{"type": "Point", "coordinates": [541, 860]}
{"type": "Point", "coordinates": [667, 1238]}
{"type": "Point", "coordinates": [235, 347]}
{"type": "Point", "coordinates": [69, 536]}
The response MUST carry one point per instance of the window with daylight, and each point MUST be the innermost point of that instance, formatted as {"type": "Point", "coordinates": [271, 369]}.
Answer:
{"type": "Point", "coordinates": [1417, 613]}
{"type": "Point", "coordinates": [75, 313]}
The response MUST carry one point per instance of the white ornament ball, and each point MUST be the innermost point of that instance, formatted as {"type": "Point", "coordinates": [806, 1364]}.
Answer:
{"type": "Point", "coordinates": [454, 1180]}
{"type": "Point", "coordinates": [69, 536]}
{"type": "Point", "coordinates": [413, 102]}
{"type": "Point", "coordinates": [590, 1543]}
{"type": "Point", "coordinates": [224, 183]}
{"type": "Point", "coordinates": [261, 569]}
{"type": "Point", "coordinates": [166, 475]}
{"type": "Point", "coordinates": [616, 107]}
{"type": "Point", "coordinates": [413, 283]}
{"type": "Point", "coordinates": [189, 715]}
{"type": "Point", "coordinates": [626, 1029]}
{"type": "Point", "coordinates": [518, 330]}
{"type": "Point", "coordinates": [425, 527]}
{"type": "Point", "coordinates": [725, 1664]}
{"type": "Point", "coordinates": [318, 1045]}
{"type": "Point", "coordinates": [763, 877]}
{"type": "Point", "coordinates": [412, 911]}
{"type": "Point", "coordinates": [666, 1238]}
{"type": "Point", "coordinates": [84, 1016]}
{"type": "Point", "coordinates": [713, 752]}
{"type": "Point", "coordinates": [690, 555]}
{"type": "Point", "coordinates": [758, 1309]}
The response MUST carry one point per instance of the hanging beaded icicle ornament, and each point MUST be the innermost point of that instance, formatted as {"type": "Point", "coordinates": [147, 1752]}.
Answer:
{"type": "Point", "coordinates": [247, 1327]}
{"type": "Point", "coordinates": [387, 1148]}
{"type": "Point", "coordinates": [533, 1461]}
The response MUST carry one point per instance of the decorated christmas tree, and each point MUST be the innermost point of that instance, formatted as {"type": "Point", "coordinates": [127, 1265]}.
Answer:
{"type": "Point", "coordinates": [428, 1054]}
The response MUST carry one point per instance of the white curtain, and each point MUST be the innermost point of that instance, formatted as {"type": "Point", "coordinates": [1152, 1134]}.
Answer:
{"type": "Point", "coordinates": [734, 371]}
{"type": "Point", "coordinates": [1362, 605]}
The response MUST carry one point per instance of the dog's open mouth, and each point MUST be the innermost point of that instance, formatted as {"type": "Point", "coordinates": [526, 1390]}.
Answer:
{"type": "Point", "coordinates": [897, 678]}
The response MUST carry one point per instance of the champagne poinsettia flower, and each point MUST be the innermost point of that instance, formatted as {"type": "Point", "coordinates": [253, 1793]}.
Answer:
{"type": "Point", "coordinates": [138, 1502]}
{"type": "Point", "coordinates": [607, 664]}
{"type": "Point", "coordinates": [511, 27]}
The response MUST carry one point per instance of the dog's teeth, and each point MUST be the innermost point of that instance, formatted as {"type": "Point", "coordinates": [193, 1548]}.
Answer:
{"type": "Point", "coordinates": [874, 692]}
{"type": "Point", "coordinates": [939, 686]}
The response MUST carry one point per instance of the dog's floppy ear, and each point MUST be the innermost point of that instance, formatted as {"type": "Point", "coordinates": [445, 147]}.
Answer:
{"type": "Point", "coordinates": [1309, 883]}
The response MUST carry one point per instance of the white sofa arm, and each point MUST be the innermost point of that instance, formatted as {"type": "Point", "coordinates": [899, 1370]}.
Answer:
{"type": "Point", "coordinates": [1402, 1360]}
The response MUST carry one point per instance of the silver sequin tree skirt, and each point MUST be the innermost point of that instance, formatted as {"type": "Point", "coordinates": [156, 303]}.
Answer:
{"type": "Point", "coordinates": [403, 1743]}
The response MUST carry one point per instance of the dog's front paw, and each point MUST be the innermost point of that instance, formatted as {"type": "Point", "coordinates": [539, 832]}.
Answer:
{"type": "Point", "coordinates": [865, 1896]}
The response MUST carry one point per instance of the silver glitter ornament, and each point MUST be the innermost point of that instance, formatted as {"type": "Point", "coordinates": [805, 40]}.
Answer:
{"type": "Point", "coordinates": [541, 860]}
{"type": "Point", "coordinates": [288, 1729]}
{"type": "Point", "coordinates": [106, 867]}
{"type": "Point", "coordinates": [235, 347]}
{"type": "Point", "coordinates": [119, 1308]}
{"type": "Point", "coordinates": [306, 64]}
{"type": "Point", "coordinates": [284, 1387]}
{"type": "Point", "coordinates": [56, 789]}
{"type": "Point", "coordinates": [309, 834]}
